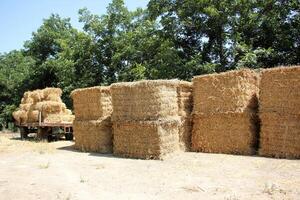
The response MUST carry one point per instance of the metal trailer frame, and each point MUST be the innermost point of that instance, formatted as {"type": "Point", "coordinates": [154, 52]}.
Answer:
{"type": "Point", "coordinates": [46, 130]}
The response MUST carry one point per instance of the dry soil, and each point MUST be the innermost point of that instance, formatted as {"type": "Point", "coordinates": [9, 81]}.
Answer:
{"type": "Point", "coordinates": [38, 170]}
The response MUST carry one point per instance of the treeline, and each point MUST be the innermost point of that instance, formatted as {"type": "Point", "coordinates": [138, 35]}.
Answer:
{"type": "Point", "coordinates": [168, 39]}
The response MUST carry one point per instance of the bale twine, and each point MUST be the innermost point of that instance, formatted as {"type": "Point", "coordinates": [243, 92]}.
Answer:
{"type": "Point", "coordinates": [279, 112]}
{"type": "Point", "coordinates": [224, 112]}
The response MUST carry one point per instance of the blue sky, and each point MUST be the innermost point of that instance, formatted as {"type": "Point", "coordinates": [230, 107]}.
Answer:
{"type": "Point", "coordinates": [19, 18]}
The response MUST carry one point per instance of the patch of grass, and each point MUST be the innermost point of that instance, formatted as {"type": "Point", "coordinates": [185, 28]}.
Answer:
{"type": "Point", "coordinates": [100, 166]}
{"type": "Point", "coordinates": [269, 188]}
{"type": "Point", "coordinates": [82, 179]}
{"type": "Point", "coordinates": [193, 189]}
{"type": "Point", "coordinates": [44, 166]}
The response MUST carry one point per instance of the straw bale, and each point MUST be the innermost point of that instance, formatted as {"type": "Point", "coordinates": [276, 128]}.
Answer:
{"type": "Point", "coordinates": [50, 106]}
{"type": "Point", "coordinates": [67, 112]}
{"type": "Point", "coordinates": [280, 90]}
{"type": "Point", "coordinates": [59, 118]}
{"type": "Point", "coordinates": [231, 133]}
{"type": "Point", "coordinates": [48, 102]}
{"type": "Point", "coordinates": [52, 91]}
{"type": "Point", "coordinates": [280, 135]}
{"type": "Point", "coordinates": [36, 95]}
{"type": "Point", "coordinates": [20, 116]}
{"type": "Point", "coordinates": [92, 103]}
{"type": "Point", "coordinates": [146, 139]}
{"type": "Point", "coordinates": [234, 91]}
{"type": "Point", "coordinates": [32, 116]}
{"type": "Point", "coordinates": [53, 97]}
{"type": "Point", "coordinates": [145, 100]}
{"type": "Point", "coordinates": [185, 130]}
{"type": "Point", "coordinates": [25, 106]}
{"type": "Point", "coordinates": [185, 98]}
{"type": "Point", "coordinates": [26, 98]}
{"type": "Point", "coordinates": [93, 135]}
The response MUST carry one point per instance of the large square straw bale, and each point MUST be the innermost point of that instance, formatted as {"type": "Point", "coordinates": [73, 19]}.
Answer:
{"type": "Point", "coordinates": [231, 133]}
{"type": "Point", "coordinates": [280, 90]}
{"type": "Point", "coordinates": [185, 98]}
{"type": "Point", "coordinates": [185, 132]}
{"type": "Point", "coordinates": [146, 139]}
{"type": "Point", "coordinates": [280, 135]}
{"type": "Point", "coordinates": [148, 100]}
{"type": "Point", "coordinates": [93, 135]}
{"type": "Point", "coordinates": [92, 103]}
{"type": "Point", "coordinates": [234, 91]}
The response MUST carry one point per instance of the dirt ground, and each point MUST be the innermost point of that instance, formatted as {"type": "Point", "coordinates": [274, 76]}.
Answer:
{"type": "Point", "coordinates": [40, 170]}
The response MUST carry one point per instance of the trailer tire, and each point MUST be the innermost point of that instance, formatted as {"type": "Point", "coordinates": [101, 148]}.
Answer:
{"type": "Point", "coordinates": [23, 133]}
{"type": "Point", "coordinates": [69, 136]}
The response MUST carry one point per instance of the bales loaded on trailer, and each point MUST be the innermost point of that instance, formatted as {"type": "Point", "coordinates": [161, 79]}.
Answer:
{"type": "Point", "coordinates": [43, 112]}
{"type": "Point", "coordinates": [49, 131]}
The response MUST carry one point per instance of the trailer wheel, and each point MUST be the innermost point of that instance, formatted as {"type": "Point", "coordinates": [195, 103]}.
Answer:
{"type": "Point", "coordinates": [23, 133]}
{"type": "Point", "coordinates": [51, 138]}
{"type": "Point", "coordinates": [69, 136]}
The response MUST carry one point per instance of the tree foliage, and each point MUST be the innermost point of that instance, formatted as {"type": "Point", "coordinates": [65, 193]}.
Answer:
{"type": "Point", "coordinates": [168, 39]}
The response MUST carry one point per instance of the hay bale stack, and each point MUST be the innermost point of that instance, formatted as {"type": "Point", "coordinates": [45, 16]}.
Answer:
{"type": "Point", "coordinates": [146, 139]}
{"type": "Point", "coordinates": [47, 102]}
{"type": "Point", "coordinates": [148, 118]}
{"type": "Point", "coordinates": [92, 126]}
{"type": "Point", "coordinates": [185, 107]}
{"type": "Point", "coordinates": [279, 112]}
{"type": "Point", "coordinates": [92, 103]}
{"type": "Point", "coordinates": [93, 135]}
{"type": "Point", "coordinates": [224, 113]}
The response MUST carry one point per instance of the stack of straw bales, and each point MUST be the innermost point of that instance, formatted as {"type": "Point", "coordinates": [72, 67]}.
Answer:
{"type": "Point", "coordinates": [224, 113]}
{"type": "Point", "coordinates": [280, 112]}
{"type": "Point", "coordinates": [151, 118]}
{"type": "Point", "coordinates": [92, 126]}
{"type": "Point", "coordinates": [47, 102]}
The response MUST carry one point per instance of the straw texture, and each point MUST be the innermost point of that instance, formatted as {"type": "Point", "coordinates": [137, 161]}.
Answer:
{"type": "Point", "coordinates": [280, 135]}
{"type": "Point", "coordinates": [151, 118]}
{"type": "Point", "coordinates": [234, 91]}
{"type": "Point", "coordinates": [234, 133]}
{"type": "Point", "coordinates": [224, 113]}
{"type": "Point", "coordinates": [92, 126]}
{"type": "Point", "coordinates": [47, 102]}
{"type": "Point", "coordinates": [93, 135]}
{"type": "Point", "coordinates": [280, 112]}
{"type": "Point", "coordinates": [92, 103]}
{"type": "Point", "coordinates": [146, 139]}
{"type": "Point", "coordinates": [148, 100]}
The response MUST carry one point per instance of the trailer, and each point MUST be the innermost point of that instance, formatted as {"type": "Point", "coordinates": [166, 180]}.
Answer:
{"type": "Point", "coordinates": [46, 130]}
